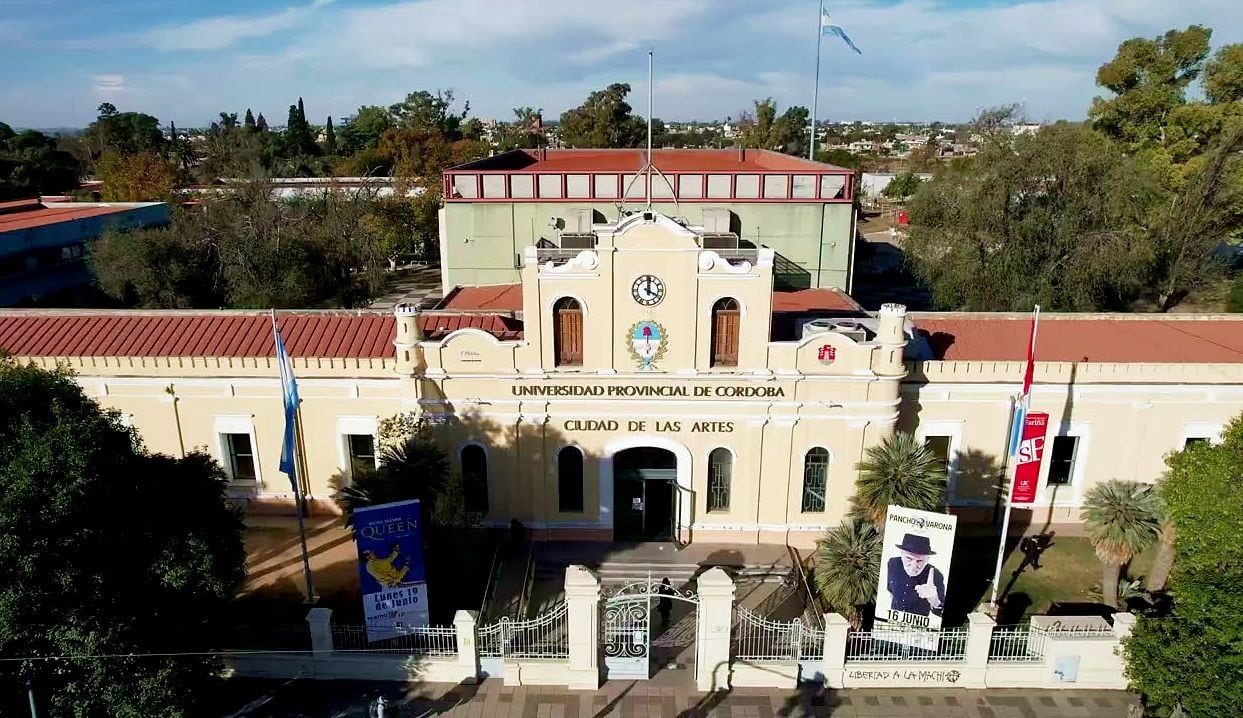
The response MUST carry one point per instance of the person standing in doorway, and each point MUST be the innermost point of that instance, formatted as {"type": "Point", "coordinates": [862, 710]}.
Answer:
{"type": "Point", "coordinates": [665, 604]}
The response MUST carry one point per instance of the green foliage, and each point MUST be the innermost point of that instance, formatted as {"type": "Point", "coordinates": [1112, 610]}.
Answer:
{"type": "Point", "coordinates": [524, 132]}
{"type": "Point", "coordinates": [330, 138]}
{"type": "Point", "coordinates": [901, 471]}
{"type": "Point", "coordinates": [604, 120]}
{"type": "Point", "coordinates": [1121, 518]}
{"type": "Point", "coordinates": [1058, 219]}
{"type": "Point", "coordinates": [1148, 78]}
{"type": "Point", "coordinates": [766, 130]}
{"type": "Point", "coordinates": [1189, 656]}
{"type": "Point", "coordinates": [137, 177]}
{"type": "Point", "coordinates": [364, 130]}
{"type": "Point", "coordinates": [903, 185]}
{"type": "Point", "coordinates": [124, 133]}
{"type": "Point", "coordinates": [299, 140]}
{"type": "Point", "coordinates": [32, 164]}
{"type": "Point", "coordinates": [1234, 300]}
{"type": "Point", "coordinates": [106, 549]}
{"type": "Point", "coordinates": [240, 249]}
{"type": "Point", "coordinates": [848, 566]}
{"type": "Point", "coordinates": [1223, 75]}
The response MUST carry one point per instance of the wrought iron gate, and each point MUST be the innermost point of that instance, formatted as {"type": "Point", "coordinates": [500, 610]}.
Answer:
{"type": "Point", "coordinates": [627, 627]}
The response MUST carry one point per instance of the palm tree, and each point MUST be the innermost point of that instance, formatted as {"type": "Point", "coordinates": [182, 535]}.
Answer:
{"type": "Point", "coordinates": [848, 567]}
{"type": "Point", "coordinates": [1164, 563]}
{"type": "Point", "coordinates": [1121, 518]}
{"type": "Point", "coordinates": [900, 470]}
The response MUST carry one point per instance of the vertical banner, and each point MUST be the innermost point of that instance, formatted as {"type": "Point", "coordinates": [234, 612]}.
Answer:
{"type": "Point", "coordinates": [914, 572]}
{"type": "Point", "coordinates": [1028, 457]}
{"type": "Point", "coordinates": [391, 569]}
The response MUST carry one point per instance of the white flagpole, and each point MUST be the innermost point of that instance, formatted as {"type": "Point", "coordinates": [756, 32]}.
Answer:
{"type": "Point", "coordinates": [1013, 467]}
{"type": "Point", "coordinates": [649, 130]}
{"type": "Point", "coordinates": [815, 95]}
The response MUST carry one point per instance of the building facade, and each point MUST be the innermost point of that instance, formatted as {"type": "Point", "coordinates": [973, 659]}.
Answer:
{"type": "Point", "coordinates": [496, 207]}
{"type": "Point", "coordinates": [651, 388]}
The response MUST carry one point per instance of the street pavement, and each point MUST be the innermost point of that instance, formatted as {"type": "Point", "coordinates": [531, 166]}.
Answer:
{"type": "Point", "coordinates": [638, 699]}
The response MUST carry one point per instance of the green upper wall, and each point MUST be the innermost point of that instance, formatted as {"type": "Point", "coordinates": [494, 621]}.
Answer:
{"type": "Point", "coordinates": [481, 241]}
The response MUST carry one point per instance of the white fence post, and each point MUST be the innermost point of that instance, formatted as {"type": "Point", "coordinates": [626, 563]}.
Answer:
{"type": "Point", "coordinates": [467, 645]}
{"type": "Point", "coordinates": [716, 615]}
{"type": "Point", "coordinates": [320, 622]}
{"type": "Point", "coordinates": [836, 631]}
{"type": "Point", "coordinates": [979, 638]}
{"type": "Point", "coordinates": [582, 598]}
{"type": "Point", "coordinates": [1124, 623]}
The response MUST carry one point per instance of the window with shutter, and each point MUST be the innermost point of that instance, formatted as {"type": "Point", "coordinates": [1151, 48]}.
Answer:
{"type": "Point", "coordinates": [568, 337]}
{"type": "Point", "coordinates": [725, 318]}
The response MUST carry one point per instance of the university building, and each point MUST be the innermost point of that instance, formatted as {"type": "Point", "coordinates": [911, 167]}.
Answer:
{"type": "Point", "coordinates": [651, 387]}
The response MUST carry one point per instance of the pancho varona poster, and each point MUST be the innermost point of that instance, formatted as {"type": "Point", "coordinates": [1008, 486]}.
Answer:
{"type": "Point", "coordinates": [914, 569]}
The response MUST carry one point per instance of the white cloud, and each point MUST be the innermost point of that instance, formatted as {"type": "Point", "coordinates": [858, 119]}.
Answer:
{"type": "Point", "coordinates": [109, 84]}
{"type": "Point", "coordinates": [216, 33]}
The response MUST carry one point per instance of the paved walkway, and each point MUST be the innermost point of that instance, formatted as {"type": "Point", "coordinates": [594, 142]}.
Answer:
{"type": "Point", "coordinates": [644, 700]}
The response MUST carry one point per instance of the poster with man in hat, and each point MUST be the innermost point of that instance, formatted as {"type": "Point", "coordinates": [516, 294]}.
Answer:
{"type": "Point", "coordinates": [915, 566]}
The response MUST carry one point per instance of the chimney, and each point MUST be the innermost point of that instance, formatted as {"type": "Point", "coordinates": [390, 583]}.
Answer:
{"type": "Point", "coordinates": [742, 153]}
{"type": "Point", "coordinates": [891, 329]}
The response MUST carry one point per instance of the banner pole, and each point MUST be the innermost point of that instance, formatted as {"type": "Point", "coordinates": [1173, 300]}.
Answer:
{"type": "Point", "coordinates": [1001, 549]}
{"type": "Point", "coordinates": [306, 560]}
{"type": "Point", "coordinates": [815, 95]}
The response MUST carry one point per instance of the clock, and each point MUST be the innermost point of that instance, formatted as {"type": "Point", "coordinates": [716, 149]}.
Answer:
{"type": "Point", "coordinates": [648, 290]}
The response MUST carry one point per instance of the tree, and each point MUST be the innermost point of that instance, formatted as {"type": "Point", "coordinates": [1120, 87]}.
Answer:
{"type": "Point", "coordinates": [1185, 656]}
{"type": "Point", "coordinates": [848, 567]}
{"type": "Point", "coordinates": [901, 471]}
{"type": "Point", "coordinates": [124, 133]}
{"type": "Point", "coordinates": [903, 185]}
{"type": "Point", "coordinates": [415, 467]}
{"type": "Point", "coordinates": [330, 138]}
{"type": "Point", "coordinates": [1148, 79]}
{"type": "Point", "coordinates": [299, 140]}
{"type": "Point", "coordinates": [138, 177]}
{"type": "Point", "coordinates": [1060, 218]}
{"type": "Point", "coordinates": [249, 121]}
{"type": "Point", "coordinates": [364, 130]}
{"type": "Point", "coordinates": [31, 164]}
{"type": "Point", "coordinates": [261, 123]}
{"type": "Point", "coordinates": [1121, 518]}
{"type": "Point", "coordinates": [1223, 75]}
{"type": "Point", "coordinates": [109, 557]}
{"type": "Point", "coordinates": [604, 120]}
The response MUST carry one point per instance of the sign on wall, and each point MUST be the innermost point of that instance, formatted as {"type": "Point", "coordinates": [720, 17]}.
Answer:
{"type": "Point", "coordinates": [1028, 457]}
{"type": "Point", "coordinates": [391, 570]}
{"type": "Point", "coordinates": [914, 570]}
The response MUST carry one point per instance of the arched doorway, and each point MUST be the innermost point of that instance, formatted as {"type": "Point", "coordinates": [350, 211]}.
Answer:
{"type": "Point", "coordinates": [645, 502]}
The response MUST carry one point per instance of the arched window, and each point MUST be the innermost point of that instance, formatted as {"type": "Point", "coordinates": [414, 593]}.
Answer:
{"type": "Point", "coordinates": [567, 319]}
{"type": "Point", "coordinates": [815, 480]}
{"type": "Point", "coordinates": [725, 332]}
{"type": "Point", "coordinates": [570, 479]}
{"type": "Point", "coordinates": [720, 472]}
{"type": "Point", "coordinates": [475, 478]}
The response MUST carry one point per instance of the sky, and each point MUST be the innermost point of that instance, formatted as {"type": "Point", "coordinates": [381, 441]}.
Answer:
{"type": "Point", "coordinates": [922, 59]}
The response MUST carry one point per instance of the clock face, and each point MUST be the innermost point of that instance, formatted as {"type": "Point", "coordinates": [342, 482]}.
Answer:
{"type": "Point", "coordinates": [648, 290]}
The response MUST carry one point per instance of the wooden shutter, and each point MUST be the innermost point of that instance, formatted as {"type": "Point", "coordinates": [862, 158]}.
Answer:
{"type": "Point", "coordinates": [569, 336]}
{"type": "Point", "coordinates": [725, 335]}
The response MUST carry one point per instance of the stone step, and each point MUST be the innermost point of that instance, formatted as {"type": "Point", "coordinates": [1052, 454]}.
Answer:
{"type": "Point", "coordinates": [615, 572]}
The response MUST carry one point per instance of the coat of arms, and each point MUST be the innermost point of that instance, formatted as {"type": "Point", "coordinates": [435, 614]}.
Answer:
{"type": "Point", "coordinates": [647, 344]}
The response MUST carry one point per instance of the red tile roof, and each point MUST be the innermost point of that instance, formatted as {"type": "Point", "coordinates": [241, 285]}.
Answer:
{"type": "Point", "coordinates": [26, 214]}
{"type": "Point", "coordinates": [815, 300]}
{"type": "Point", "coordinates": [671, 160]}
{"type": "Point", "coordinates": [438, 326]}
{"type": "Point", "coordinates": [498, 297]}
{"type": "Point", "coordinates": [1101, 338]}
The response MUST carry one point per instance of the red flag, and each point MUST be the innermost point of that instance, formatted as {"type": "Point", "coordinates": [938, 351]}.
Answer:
{"type": "Point", "coordinates": [1031, 354]}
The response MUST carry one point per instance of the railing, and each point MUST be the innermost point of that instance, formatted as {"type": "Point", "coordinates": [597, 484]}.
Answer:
{"type": "Point", "coordinates": [1016, 644]}
{"type": "Point", "coordinates": [813, 610]}
{"type": "Point", "coordinates": [556, 255]}
{"type": "Point", "coordinates": [907, 644]}
{"type": "Point", "coordinates": [759, 639]}
{"type": "Point", "coordinates": [489, 590]}
{"type": "Point", "coordinates": [528, 581]}
{"type": "Point", "coordinates": [545, 636]}
{"type": "Point", "coordinates": [419, 641]}
{"type": "Point", "coordinates": [738, 256]}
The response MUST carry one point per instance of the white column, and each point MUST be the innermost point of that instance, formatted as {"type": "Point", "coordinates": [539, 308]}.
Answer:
{"type": "Point", "coordinates": [1124, 623]}
{"type": "Point", "coordinates": [319, 620]}
{"type": "Point", "coordinates": [582, 598]}
{"type": "Point", "coordinates": [979, 638]}
{"type": "Point", "coordinates": [467, 647]}
{"type": "Point", "coordinates": [716, 618]}
{"type": "Point", "coordinates": [836, 631]}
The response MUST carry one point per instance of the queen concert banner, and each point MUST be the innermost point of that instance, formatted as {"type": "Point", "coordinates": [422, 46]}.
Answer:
{"type": "Point", "coordinates": [914, 572]}
{"type": "Point", "coordinates": [391, 569]}
{"type": "Point", "coordinates": [1027, 458]}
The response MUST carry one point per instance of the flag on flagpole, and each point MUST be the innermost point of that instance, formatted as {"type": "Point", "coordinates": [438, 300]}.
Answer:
{"type": "Point", "coordinates": [828, 27]}
{"type": "Point", "coordinates": [289, 390]}
{"type": "Point", "coordinates": [1023, 401]}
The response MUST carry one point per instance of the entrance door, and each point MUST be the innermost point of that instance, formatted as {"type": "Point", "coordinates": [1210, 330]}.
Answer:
{"type": "Point", "coordinates": [644, 505]}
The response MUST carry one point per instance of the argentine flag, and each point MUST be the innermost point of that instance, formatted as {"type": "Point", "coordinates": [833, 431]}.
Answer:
{"type": "Point", "coordinates": [828, 27]}
{"type": "Point", "coordinates": [289, 389]}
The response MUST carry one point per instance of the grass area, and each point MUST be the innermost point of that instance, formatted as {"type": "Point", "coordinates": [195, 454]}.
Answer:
{"type": "Point", "coordinates": [1069, 572]}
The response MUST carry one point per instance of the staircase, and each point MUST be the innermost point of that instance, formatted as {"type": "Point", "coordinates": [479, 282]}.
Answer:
{"type": "Point", "coordinates": [660, 561]}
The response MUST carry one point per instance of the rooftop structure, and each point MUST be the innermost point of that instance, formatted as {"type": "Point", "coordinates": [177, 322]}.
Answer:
{"type": "Point", "coordinates": [43, 244]}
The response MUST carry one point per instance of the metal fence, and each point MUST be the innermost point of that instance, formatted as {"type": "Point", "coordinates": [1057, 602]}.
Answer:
{"type": "Point", "coordinates": [907, 644]}
{"type": "Point", "coordinates": [1016, 644]}
{"type": "Point", "coordinates": [416, 641]}
{"type": "Point", "coordinates": [759, 639]}
{"type": "Point", "coordinates": [545, 636]}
